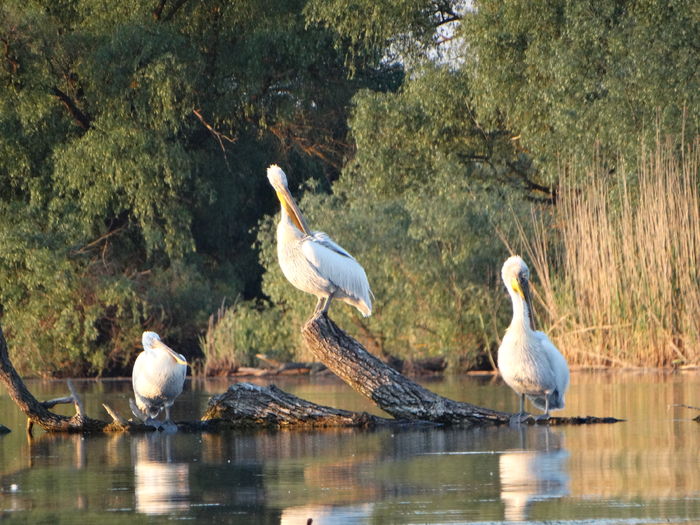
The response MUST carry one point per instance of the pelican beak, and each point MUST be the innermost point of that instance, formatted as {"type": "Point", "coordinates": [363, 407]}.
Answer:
{"type": "Point", "coordinates": [287, 202]}
{"type": "Point", "coordinates": [177, 357]}
{"type": "Point", "coordinates": [521, 286]}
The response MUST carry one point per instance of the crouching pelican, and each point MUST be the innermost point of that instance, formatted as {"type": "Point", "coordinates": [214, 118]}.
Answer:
{"type": "Point", "coordinates": [311, 261]}
{"type": "Point", "coordinates": [158, 377]}
{"type": "Point", "coordinates": [528, 361]}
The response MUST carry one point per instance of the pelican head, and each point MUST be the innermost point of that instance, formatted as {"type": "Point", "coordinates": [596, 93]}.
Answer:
{"type": "Point", "coordinates": [148, 339]}
{"type": "Point", "coordinates": [278, 180]}
{"type": "Point", "coordinates": [151, 342]}
{"type": "Point", "coordinates": [516, 276]}
{"type": "Point", "coordinates": [277, 177]}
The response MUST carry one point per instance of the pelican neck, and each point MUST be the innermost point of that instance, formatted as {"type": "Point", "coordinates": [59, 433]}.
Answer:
{"type": "Point", "coordinates": [521, 313]}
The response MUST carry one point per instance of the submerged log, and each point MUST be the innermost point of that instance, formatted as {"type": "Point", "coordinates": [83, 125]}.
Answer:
{"type": "Point", "coordinates": [385, 386]}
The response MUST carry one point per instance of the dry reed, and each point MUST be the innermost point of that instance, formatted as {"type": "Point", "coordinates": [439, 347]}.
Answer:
{"type": "Point", "coordinates": [618, 272]}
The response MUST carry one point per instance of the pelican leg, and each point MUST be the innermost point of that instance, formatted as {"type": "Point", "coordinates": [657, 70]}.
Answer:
{"type": "Point", "coordinates": [326, 304]}
{"type": "Point", "coordinates": [152, 422]}
{"type": "Point", "coordinates": [545, 416]}
{"type": "Point", "coordinates": [168, 425]}
{"type": "Point", "coordinates": [521, 416]}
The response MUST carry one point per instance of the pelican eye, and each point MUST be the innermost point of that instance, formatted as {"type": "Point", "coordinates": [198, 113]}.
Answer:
{"type": "Point", "coordinates": [515, 284]}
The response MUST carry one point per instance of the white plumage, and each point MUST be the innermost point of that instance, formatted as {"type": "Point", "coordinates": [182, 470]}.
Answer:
{"type": "Point", "coordinates": [312, 261]}
{"type": "Point", "coordinates": [158, 377]}
{"type": "Point", "coordinates": [528, 361]}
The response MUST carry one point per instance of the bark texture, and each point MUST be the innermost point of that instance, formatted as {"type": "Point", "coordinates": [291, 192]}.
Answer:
{"type": "Point", "coordinates": [36, 411]}
{"type": "Point", "coordinates": [391, 391]}
{"type": "Point", "coordinates": [248, 405]}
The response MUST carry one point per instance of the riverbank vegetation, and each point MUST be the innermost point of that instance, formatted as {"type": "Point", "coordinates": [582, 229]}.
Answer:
{"type": "Point", "coordinates": [420, 135]}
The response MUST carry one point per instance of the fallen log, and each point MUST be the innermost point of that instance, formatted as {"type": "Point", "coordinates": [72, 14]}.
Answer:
{"type": "Point", "coordinates": [245, 405]}
{"type": "Point", "coordinates": [248, 405]}
{"type": "Point", "coordinates": [396, 394]}
{"type": "Point", "coordinates": [242, 405]}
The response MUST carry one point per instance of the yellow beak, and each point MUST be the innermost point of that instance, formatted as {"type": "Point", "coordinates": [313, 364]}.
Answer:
{"type": "Point", "coordinates": [177, 357]}
{"type": "Point", "coordinates": [287, 202]}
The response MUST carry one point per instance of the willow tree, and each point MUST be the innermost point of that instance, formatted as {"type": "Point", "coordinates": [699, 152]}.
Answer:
{"type": "Point", "coordinates": [495, 95]}
{"type": "Point", "coordinates": [133, 141]}
{"type": "Point", "coordinates": [568, 77]}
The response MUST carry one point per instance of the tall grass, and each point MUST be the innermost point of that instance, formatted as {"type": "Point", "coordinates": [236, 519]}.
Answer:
{"type": "Point", "coordinates": [618, 272]}
{"type": "Point", "coordinates": [237, 333]}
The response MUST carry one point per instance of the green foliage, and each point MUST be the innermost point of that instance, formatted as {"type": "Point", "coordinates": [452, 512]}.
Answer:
{"type": "Point", "coordinates": [403, 29]}
{"type": "Point", "coordinates": [133, 141]}
{"type": "Point", "coordinates": [429, 257]}
{"type": "Point", "coordinates": [405, 140]}
{"type": "Point", "coordinates": [567, 75]}
{"type": "Point", "coordinates": [240, 332]}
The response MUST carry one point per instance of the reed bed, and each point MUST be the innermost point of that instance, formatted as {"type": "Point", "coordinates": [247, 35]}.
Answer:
{"type": "Point", "coordinates": [618, 273]}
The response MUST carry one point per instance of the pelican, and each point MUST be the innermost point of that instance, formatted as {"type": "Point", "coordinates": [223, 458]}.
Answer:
{"type": "Point", "coordinates": [312, 261]}
{"type": "Point", "coordinates": [528, 361]}
{"type": "Point", "coordinates": [158, 376]}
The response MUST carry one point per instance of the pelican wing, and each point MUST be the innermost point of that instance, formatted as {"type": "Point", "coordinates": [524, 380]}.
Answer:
{"type": "Point", "coordinates": [558, 364]}
{"type": "Point", "coordinates": [336, 265]}
{"type": "Point", "coordinates": [324, 239]}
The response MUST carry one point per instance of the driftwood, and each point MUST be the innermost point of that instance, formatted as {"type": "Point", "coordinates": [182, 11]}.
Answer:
{"type": "Point", "coordinates": [246, 405]}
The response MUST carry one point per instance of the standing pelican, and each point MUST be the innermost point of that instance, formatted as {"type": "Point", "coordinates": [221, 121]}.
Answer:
{"type": "Point", "coordinates": [158, 376]}
{"type": "Point", "coordinates": [529, 362]}
{"type": "Point", "coordinates": [311, 261]}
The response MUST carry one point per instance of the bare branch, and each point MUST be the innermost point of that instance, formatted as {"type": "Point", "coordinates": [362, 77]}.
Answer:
{"type": "Point", "coordinates": [79, 408]}
{"type": "Point", "coordinates": [80, 118]}
{"type": "Point", "coordinates": [58, 401]}
{"type": "Point", "coordinates": [158, 10]}
{"type": "Point", "coordinates": [219, 136]}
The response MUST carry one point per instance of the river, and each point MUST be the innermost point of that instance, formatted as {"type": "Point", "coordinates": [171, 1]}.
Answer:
{"type": "Point", "coordinates": [643, 470]}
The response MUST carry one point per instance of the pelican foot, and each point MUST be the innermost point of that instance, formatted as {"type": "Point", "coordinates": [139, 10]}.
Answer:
{"type": "Point", "coordinates": [168, 426]}
{"type": "Point", "coordinates": [519, 419]}
{"type": "Point", "coordinates": [151, 422]}
{"type": "Point", "coordinates": [543, 417]}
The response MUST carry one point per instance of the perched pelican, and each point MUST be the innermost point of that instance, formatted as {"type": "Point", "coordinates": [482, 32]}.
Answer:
{"type": "Point", "coordinates": [158, 376]}
{"type": "Point", "coordinates": [311, 261]}
{"type": "Point", "coordinates": [529, 362]}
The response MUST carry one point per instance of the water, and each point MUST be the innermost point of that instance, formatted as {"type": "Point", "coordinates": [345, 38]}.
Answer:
{"type": "Point", "coordinates": [645, 470]}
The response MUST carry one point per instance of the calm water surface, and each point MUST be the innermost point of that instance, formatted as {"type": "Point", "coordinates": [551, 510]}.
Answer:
{"type": "Point", "coordinates": [645, 470]}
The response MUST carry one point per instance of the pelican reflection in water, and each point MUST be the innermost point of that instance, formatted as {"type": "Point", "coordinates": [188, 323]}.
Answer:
{"type": "Point", "coordinates": [312, 261]}
{"type": "Point", "coordinates": [528, 361]}
{"type": "Point", "coordinates": [537, 473]}
{"type": "Point", "coordinates": [161, 486]}
{"type": "Point", "coordinates": [158, 377]}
